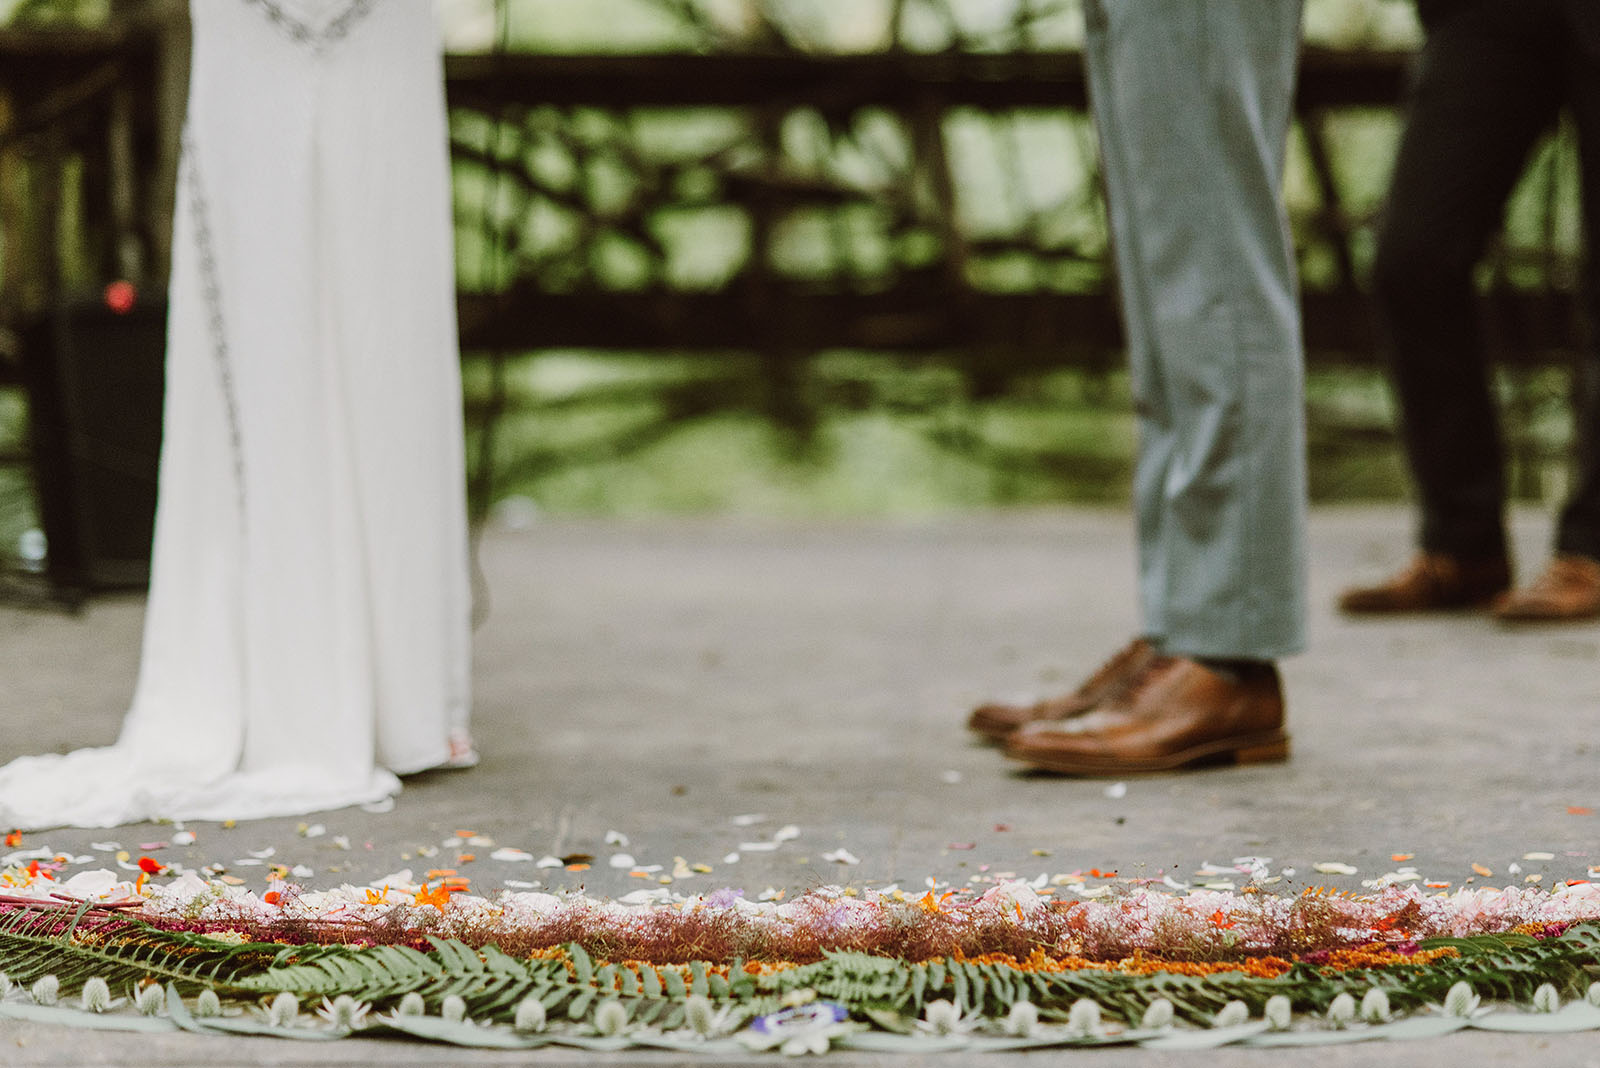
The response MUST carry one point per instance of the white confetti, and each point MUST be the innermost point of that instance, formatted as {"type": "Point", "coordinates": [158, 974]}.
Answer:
{"type": "Point", "coordinates": [1538, 856]}
{"type": "Point", "coordinates": [787, 833]}
{"type": "Point", "coordinates": [314, 830]}
{"type": "Point", "coordinates": [481, 841]}
{"type": "Point", "coordinates": [616, 838]}
{"type": "Point", "coordinates": [622, 860]}
{"type": "Point", "coordinates": [770, 894]}
{"type": "Point", "coordinates": [731, 858]}
{"type": "Point", "coordinates": [547, 861]}
{"type": "Point", "coordinates": [1117, 790]}
{"type": "Point", "coordinates": [518, 884]}
{"type": "Point", "coordinates": [263, 854]}
{"type": "Point", "coordinates": [645, 897]}
{"type": "Point", "coordinates": [300, 871]}
{"type": "Point", "coordinates": [1334, 867]}
{"type": "Point", "coordinates": [758, 847]}
{"type": "Point", "coordinates": [841, 856]}
{"type": "Point", "coordinates": [183, 838]}
{"type": "Point", "coordinates": [749, 819]}
{"type": "Point", "coordinates": [510, 855]}
{"type": "Point", "coordinates": [379, 807]}
{"type": "Point", "coordinates": [105, 847]}
{"type": "Point", "coordinates": [950, 776]}
{"type": "Point", "coordinates": [340, 841]}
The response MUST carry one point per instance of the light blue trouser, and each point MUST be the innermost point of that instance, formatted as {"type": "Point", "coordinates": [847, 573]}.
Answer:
{"type": "Point", "coordinates": [1192, 100]}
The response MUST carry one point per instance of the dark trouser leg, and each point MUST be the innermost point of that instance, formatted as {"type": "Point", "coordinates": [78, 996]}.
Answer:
{"type": "Point", "coordinates": [1489, 81]}
{"type": "Point", "coordinates": [1579, 528]}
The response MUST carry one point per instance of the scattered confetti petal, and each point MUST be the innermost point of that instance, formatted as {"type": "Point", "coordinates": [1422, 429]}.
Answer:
{"type": "Point", "coordinates": [183, 838]}
{"type": "Point", "coordinates": [1117, 790]}
{"type": "Point", "coordinates": [1400, 858]}
{"type": "Point", "coordinates": [841, 856]}
{"type": "Point", "coordinates": [378, 807]}
{"type": "Point", "coordinates": [1538, 856]}
{"type": "Point", "coordinates": [1579, 810]}
{"type": "Point", "coordinates": [749, 819]}
{"type": "Point", "coordinates": [506, 853]}
{"type": "Point", "coordinates": [1334, 867]}
{"type": "Point", "coordinates": [622, 860]}
{"type": "Point", "coordinates": [950, 776]}
{"type": "Point", "coordinates": [616, 838]}
{"type": "Point", "coordinates": [1481, 870]}
{"type": "Point", "coordinates": [962, 845]}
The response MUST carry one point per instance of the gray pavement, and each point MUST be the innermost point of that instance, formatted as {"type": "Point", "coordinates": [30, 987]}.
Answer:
{"type": "Point", "coordinates": [659, 677]}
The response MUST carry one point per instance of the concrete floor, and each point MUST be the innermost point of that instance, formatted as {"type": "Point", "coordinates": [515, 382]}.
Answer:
{"type": "Point", "coordinates": [658, 678]}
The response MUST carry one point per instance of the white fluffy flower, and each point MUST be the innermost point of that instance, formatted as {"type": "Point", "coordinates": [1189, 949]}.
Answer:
{"type": "Point", "coordinates": [454, 1008]}
{"type": "Point", "coordinates": [45, 990]}
{"type": "Point", "coordinates": [701, 1016]}
{"type": "Point", "coordinates": [1023, 1019]}
{"type": "Point", "coordinates": [95, 995]}
{"type": "Point", "coordinates": [1232, 1014]}
{"type": "Point", "coordinates": [1157, 1015]}
{"type": "Point", "coordinates": [1545, 999]}
{"type": "Point", "coordinates": [1278, 1012]}
{"type": "Point", "coordinates": [941, 1017]}
{"type": "Point", "coordinates": [1593, 996]}
{"type": "Point", "coordinates": [412, 1005]}
{"type": "Point", "coordinates": [284, 1010]}
{"type": "Point", "coordinates": [610, 1018]}
{"type": "Point", "coordinates": [345, 1012]}
{"type": "Point", "coordinates": [1342, 1010]}
{"type": "Point", "coordinates": [1460, 1000]}
{"type": "Point", "coordinates": [530, 1017]}
{"type": "Point", "coordinates": [1375, 1006]}
{"type": "Point", "coordinates": [1083, 1018]}
{"type": "Point", "coordinates": [208, 1004]}
{"type": "Point", "coordinates": [149, 999]}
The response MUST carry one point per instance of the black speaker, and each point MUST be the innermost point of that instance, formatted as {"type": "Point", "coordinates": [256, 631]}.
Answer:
{"type": "Point", "coordinates": [94, 371]}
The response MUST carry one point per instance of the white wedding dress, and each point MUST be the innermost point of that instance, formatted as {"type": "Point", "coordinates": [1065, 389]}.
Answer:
{"type": "Point", "coordinates": [308, 624]}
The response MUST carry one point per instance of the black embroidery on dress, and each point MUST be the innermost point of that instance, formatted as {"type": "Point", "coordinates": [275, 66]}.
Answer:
{"type": "Point", "coordinates": [301, 32]}
{"type": "Point", "coordinates": [211, 294]}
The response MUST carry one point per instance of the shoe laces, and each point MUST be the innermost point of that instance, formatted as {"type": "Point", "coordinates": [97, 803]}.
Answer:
{"type": "Point", "coordinates": [1114, 666]}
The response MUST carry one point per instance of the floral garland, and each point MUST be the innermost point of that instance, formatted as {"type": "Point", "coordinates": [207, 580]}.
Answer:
{"type": "Point", "coordinates": [1005, 968]}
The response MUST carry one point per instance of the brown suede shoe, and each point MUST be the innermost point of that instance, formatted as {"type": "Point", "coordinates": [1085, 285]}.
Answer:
{"type": "Point", "coordinates": [1569, 589]}
{"type": "Point", "coordinates": [1180, 713]}
{"type": "Point", "coordinates": [1433, 582]}
{"type": "Point", "coordinates": [996, 721]}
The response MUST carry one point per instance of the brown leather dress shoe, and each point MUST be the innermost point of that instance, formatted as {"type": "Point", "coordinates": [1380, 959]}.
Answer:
{"type": "Point", "coordinates": [1569, 589]}
{"type": "Point", "coordinates": [996, 721]}
{"type": "Point", "coordinates": [1433, 582]}
{"type": "Point", "coordinates": [1180, 713]}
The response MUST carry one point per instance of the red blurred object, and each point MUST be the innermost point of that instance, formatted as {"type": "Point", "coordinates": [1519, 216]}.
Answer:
{"type": "Point", "coordinates": [121, 297]}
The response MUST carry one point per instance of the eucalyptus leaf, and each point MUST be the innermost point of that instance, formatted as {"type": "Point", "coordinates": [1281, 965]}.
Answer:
{"type": "Point", "coordinates": [473, 1036]}
{"type": "Point", "coordinates": [884, 1042]}
{"type": "Point", "coordinates": [1422, 1027]}
{"type": "Point", "coordinates": [95, 1021]}
{"type": "Point", "coordinates": [1575, 1016]}
{"type": "Point", "coordinates": [1210, 1038]}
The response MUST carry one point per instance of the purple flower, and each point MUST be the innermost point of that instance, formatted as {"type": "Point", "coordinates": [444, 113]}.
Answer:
{"type": "Point", "coordinates": [799, 1018]}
